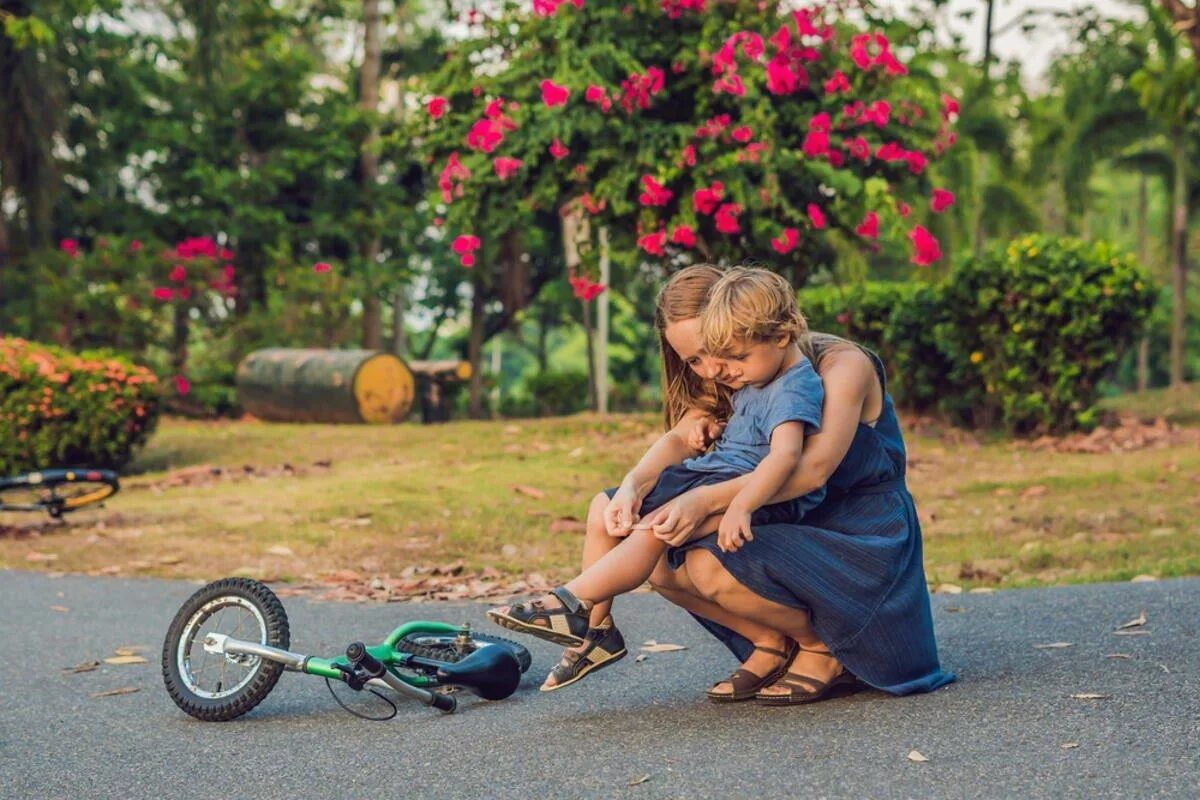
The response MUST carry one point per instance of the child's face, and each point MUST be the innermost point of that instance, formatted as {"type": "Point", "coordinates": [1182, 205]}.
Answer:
{"type": "Point", "coordinates": [752, 363]}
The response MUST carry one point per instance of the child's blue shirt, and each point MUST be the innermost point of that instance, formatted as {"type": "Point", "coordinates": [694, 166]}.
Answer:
{"type": "Point", "coordinates": [797, 395]}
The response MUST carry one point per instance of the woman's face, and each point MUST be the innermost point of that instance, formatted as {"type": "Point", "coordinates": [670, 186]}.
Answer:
{"type": "Point", "coordinates": [684, 338]}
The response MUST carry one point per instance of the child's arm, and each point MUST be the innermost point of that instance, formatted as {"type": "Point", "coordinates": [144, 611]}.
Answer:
{"type": "Point", "coordinates": [772, 473]}
{"type": "Point", "coordinates": [671, 448]}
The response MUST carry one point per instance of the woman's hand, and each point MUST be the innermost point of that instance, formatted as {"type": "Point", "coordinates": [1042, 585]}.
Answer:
{"type": "Point", "coordinates": [679, 521]}
{"type": "Point", "coordinates": [622, 511]}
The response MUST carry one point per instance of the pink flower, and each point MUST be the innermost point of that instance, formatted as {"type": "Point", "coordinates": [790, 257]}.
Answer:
{"type": "Point", "coordinates": [683, 235]}
{"type": "Point", "coordinates": [163, 293]}
{"type": "Point", "coordinates": [926, 249]}
{"type": "Point", "coordinates": [820, 123]}
{"type": "Point", "coordinates": [553, 94]}
{"type": "Point", "coordinates": [949, 108]}
{"type": "Point", "coordinates": [742, 134]}
{"type": "Point", "coordinates": [878, 113]}
{"type": "Point", "coordinates": [706, 200]}
{"type": "Point", "coordinates": [916, 161]}
{"type": "Point", "coordinates": [135, 246]}
{"type": "Point", "coordinates": [322, 266]}
{"type": "Point", "coordinates": [591, 205]}
{"type": "Point", "coordinates": [558, 150]}
{"type": "Point", "coordinates": [178, 273]}
{"type": "Point", "coordinates": [436, 107]}
{"type": "Point", "coordinates": [70, 247]}
{"type": "Point", "coordinates": [182, 385]}
{"type": "Point", "coordinates": [506, 167]}
{"type": "Point", "coordinates": [780, 77]}
{"type": "Point", "coordinates": [817, 216]}
{"type": "Point", "coordinates": [730, 84]}
{"type": "Point", "coordinates": [494, 109]}
{"type": "Point", "coordinates": [599, 96]}
{"type": "Point", "coordinates": [689, 155]}
{"type": "Point", "coordinates": [816, 143]}
{"type": "Point", "coordinates": [869, 227]}
{"type": "Point", "coordinates": [838, 83]}
{"type": "Point", "coordinates": [584, 288]}
{"type": "Point", "coordinates": [903, 209]}
{"type": "Point", "coordinates": [465, 245]}
{"type": "Point", "coordinates": [226, 254]}
{"type": "Point", "coordinates": [860, 149]}
{"type": "Point", "coordinates": [656, 194]}
{"type": "Point", "coordinates": [787, 241]}
{"type": "Point", "coordinates": [485, 135]}
{"type": "Point", "coordinates": [941, 200]}
{"type": "Point", "coordinates": [546, 8]}
{"type": "Point", "coordinates": [653, 243]}
{"type": "Point", "coordinates": [727, 218]}
{"type": "Point", "coordinates": [891, 151]}
{"type": "Point", "coordinates": [452, 177]}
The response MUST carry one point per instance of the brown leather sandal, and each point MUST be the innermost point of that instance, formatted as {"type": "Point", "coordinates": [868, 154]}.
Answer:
{"type": "Point", "coordinates": [746, 684]}
{"type": "Point", "coordinates": [803, 689]}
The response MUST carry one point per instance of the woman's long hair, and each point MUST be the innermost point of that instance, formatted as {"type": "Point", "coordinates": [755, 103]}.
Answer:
{"type": "Point", "coordinates": [684, 297]}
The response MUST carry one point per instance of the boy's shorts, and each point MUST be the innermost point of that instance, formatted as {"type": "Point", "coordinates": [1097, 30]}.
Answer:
{"type": "Point", "coordinates": [677, 479]}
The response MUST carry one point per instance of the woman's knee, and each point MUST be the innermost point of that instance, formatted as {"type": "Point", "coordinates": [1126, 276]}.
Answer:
{"type": "Point", "coordinates": [664, 579]}
{"type": "Point", "coordinates": [707, 575]}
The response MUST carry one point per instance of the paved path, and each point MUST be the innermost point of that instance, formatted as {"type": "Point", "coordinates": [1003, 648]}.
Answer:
{"type": "Point", "coordinates": [998, 733]}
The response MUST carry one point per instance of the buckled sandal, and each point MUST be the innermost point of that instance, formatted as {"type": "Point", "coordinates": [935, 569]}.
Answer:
{"type": "Point", "coordinates": [604, 645]}
{"type": "Point", "coordinates": [746, 684]}
{"type": "Point", "coordinates": [566, 625]}
{"type": "Point", "coordinates": [803, 689]}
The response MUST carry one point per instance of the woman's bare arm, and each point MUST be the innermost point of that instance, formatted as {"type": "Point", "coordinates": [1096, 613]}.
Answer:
{"type": "Point", "coordinates": [671, 448]}
{"type": "Point", "coordinates": [847, 375]}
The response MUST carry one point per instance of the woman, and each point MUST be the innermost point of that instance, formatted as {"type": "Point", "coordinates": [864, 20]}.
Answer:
{"type": "Point", "coordinates": [847, 584]}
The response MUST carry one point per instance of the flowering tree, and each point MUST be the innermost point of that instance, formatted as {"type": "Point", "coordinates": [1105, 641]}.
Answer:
{"type": "Point", "coordinates": [693, 129]}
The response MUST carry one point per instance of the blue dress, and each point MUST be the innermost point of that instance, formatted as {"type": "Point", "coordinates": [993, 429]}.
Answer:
{"type": "Point", "coordinates": [854, 564]}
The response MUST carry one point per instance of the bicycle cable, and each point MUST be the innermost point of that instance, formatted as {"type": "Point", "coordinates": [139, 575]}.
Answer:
{"type": "Point", "coordinates": [357, 714]}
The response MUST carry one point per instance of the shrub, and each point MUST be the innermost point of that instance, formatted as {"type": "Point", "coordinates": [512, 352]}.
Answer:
{"type": "Point", "coordinates": [1034, 326]}
{"type": "Point", "coordinates": [555, 392]}
{"type": "Point", "coordinates": [58, 409]}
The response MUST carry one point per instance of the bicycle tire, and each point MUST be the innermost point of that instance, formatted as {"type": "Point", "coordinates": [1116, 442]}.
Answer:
{"type": "Point", "coordinates": [90, 485]}
{"type": "Point", "coordinates": [262, 677]}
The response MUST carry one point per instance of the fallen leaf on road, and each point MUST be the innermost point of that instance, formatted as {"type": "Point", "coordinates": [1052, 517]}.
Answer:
{"type": "Point", "coordinates": [86, 666]}
{"type": "Point", "coordinates": [568, 525]}
{"type": "Point", "coordinates": [1118, 655]}
{"type": "Point", "coordinates": [915, 755]}
{"type": "Point", "coordinates": [116, 692]}
{"type": "Point", "coordinates": [59, 608]}
{"type": "Point", "coordinates": [1069, 745]}
{"type": "Point", "coordinates": [1131, 633]}
{"type": "Point", "coordinates": [125, 660]}
{"type": "Point", "coordinates": [529, 491]}
{"type": "Point", "coordinates": [640, 658]}
{"type": "Point", "coordinates": [642, 779]}
{"type": "Point", "coordinates": [655, 647]}
{"type": "Point", "coordinates": [1136, 622]}
{"type": "Point", "coordinates": [954, 609]}
{"type": "Point", "coordinates": [1053, 646]}
{"type": "Point", "coordinates": [130, 650]}
{"type": "Point", "coordinates": [1090, 696]}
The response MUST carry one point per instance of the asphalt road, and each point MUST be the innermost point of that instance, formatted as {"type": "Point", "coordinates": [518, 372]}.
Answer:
{"type": "Point", "coordinates": [1010, 727]}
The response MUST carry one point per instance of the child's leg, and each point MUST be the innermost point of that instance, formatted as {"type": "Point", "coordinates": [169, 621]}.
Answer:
{"type": "Point", "coordinates": [595, 545]}
{"type": "Point", "coordinates": [621, 569]}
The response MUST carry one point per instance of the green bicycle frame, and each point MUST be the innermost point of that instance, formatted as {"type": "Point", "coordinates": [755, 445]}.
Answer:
{"type": "Point", "coordinates": [386, 653]}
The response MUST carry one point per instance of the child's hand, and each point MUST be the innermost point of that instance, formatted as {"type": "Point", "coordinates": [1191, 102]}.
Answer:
{"type": "Point", "coordinates": [621, 512]}
{"type": "Point", "coordinates": [704, 433]}
{"type": "Point", "coordinates": [734, 530]}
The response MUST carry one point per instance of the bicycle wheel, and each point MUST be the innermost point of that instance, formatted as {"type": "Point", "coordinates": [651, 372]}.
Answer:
{"type": "Point", "coordinates": [445, 647]}
{"type": "Point", "coordinates": [215, 687]}
{"type": "Point", "coordinates": [58, 491]}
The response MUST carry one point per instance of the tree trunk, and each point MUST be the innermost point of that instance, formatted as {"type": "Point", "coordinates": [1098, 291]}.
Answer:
{"type": "Point", "coordinates": [573, 231]}
{"type": "Point", "coordinates": [1179, 258]}
{"type": "Point", "coordinates": [372, 320]}
{"type": "Point", "coordinates": [5, 245]}
{"type": "Point", "coordinates": [1143, 352]}
{"type": "Point", "coordinates": [475, 347]}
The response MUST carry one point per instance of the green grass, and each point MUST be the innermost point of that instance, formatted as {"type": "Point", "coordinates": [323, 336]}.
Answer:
{"type": "Point", "coordinates": [1181, 406]}
{"type": "Point", "coordinates": [994, 513]}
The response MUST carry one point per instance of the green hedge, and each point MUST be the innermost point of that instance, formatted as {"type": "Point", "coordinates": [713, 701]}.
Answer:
{"type": "Point", "coordinates": [58, 409]}
{"type": "Point", "coordinates": [1019, 338]}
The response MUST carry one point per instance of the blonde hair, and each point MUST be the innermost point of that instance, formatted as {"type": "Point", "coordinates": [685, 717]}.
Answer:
{"type": "Point", "coordinates": [683, 297]}
{"type": "Point", "coordinates": [751, 304]}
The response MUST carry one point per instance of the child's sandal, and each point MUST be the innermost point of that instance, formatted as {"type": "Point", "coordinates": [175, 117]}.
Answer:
{"type": "Point", "coordinates": [566, 625]}
{"type": "Point", "coordinates": [605, 645]}
{"type": "Point", "coordinates": [746, 685]}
